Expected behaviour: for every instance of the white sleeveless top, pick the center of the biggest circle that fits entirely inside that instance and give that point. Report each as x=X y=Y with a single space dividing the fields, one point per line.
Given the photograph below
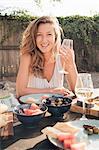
x=56 y=80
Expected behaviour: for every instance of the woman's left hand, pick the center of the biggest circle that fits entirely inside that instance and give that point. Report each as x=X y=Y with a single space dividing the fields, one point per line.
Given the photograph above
x=67 y=56
x=61 y=90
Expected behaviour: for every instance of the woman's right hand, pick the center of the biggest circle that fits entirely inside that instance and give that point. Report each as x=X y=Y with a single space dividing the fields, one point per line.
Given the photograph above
x=68 y=57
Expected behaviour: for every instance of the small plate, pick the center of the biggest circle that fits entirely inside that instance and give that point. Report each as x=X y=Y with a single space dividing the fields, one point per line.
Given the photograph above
x=37 y=97
x=79 y=123
x=56 y=142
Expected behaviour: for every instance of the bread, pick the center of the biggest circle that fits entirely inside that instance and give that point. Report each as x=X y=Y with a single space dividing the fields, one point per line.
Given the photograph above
x=66 y=127
x=3 y=108
x=3 y=117
x=60 y=127
x=3 y=120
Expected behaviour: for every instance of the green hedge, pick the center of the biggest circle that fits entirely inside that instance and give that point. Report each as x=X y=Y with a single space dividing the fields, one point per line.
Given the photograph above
x=83 y=30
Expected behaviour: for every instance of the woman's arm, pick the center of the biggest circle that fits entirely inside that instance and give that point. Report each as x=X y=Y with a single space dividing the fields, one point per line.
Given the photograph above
x=72 y=76
x=23 y=77
x=23 y=74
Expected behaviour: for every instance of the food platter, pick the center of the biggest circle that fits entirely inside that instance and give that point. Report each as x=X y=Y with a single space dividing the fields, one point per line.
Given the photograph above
x=37 y=97
x=92 y=146
x=92 y=111
x=79 y=123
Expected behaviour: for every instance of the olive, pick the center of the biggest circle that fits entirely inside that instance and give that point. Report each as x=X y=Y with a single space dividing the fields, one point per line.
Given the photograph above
x=48 y=101
x=95 y=130
x=89 y=131
x=57 y=100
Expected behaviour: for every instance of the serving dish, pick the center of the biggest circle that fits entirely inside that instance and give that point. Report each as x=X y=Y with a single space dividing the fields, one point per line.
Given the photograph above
x=58 y=105
x=79 y=123
x=30 y=115
x=37 y=97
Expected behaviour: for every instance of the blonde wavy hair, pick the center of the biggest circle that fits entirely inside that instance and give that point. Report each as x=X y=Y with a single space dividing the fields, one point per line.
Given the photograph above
x=28 y=44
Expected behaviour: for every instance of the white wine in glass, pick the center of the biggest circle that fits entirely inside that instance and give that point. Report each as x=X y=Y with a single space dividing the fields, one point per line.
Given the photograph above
x=84 y=88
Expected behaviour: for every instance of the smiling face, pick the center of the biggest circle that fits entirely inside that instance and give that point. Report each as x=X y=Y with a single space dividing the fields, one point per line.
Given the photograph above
x=45 y=38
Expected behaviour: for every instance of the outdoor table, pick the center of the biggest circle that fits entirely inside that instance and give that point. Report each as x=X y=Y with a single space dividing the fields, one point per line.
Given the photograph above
x=32 y=138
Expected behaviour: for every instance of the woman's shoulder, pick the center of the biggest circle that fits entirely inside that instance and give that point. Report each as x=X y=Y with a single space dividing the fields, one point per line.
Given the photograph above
x=25 y=57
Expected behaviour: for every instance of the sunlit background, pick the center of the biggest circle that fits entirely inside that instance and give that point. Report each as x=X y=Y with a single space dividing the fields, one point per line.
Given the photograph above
x=52 y=7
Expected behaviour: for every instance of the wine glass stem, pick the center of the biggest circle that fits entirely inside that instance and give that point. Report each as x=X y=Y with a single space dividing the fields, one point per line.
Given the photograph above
x=84 y=116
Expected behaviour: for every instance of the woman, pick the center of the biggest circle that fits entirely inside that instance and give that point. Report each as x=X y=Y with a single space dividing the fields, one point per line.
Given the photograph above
x=39 y=64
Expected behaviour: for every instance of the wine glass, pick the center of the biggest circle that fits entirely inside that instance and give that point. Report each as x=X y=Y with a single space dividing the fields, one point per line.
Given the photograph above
x=84 y=89
x=67 y=44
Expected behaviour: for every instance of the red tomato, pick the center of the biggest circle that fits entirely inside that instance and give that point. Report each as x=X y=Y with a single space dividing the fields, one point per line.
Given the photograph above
x=34 y=106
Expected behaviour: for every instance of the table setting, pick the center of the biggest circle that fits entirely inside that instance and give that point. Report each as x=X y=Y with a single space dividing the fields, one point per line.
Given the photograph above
x=49 y=119
x=85 y=140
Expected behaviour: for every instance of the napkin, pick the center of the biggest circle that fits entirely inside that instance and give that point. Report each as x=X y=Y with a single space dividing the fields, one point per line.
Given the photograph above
x=51 y=131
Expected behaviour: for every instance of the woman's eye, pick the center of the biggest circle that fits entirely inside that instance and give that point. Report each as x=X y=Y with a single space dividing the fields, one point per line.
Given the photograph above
x=38 y=34
x=49 y=34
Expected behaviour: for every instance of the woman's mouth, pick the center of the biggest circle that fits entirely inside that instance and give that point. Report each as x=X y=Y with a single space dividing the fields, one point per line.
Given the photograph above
x=44 y=45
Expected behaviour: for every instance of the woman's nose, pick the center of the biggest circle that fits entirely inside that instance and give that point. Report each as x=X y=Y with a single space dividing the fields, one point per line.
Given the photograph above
x=44 y=39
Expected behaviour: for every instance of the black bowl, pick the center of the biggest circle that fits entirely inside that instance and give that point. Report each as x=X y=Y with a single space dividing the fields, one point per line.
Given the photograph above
x=58 y=110
x=29 y=120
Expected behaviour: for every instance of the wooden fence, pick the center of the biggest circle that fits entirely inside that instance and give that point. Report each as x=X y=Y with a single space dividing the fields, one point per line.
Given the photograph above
x=87 y=59
x=9 y=61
